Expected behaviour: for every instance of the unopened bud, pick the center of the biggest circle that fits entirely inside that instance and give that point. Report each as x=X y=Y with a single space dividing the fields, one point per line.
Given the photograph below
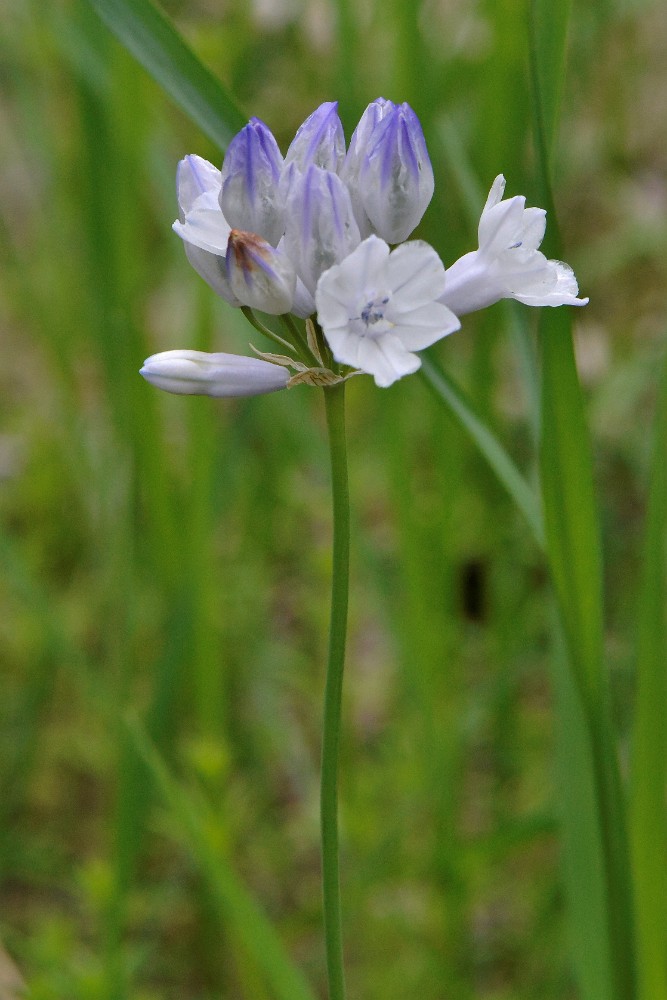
x=195 y=373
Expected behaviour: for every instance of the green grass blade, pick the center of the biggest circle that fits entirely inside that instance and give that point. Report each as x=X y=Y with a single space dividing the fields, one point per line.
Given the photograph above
x=649 y=765
x=549 y=23
x=153 y=40
x=575 y=556
x=232 y=900
x=502 y=465
x=571 y=519
x=583 y=856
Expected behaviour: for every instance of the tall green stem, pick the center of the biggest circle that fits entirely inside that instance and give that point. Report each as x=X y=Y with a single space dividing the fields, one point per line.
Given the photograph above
x=335 y=408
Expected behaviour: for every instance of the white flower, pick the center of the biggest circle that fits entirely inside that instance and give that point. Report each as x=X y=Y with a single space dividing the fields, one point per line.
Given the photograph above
x=508 y=264
x=195 y=373
x=377 y=307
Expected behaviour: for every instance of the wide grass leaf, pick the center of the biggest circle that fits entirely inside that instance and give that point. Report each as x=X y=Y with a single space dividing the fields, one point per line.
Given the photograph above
x=649 y=764
x=154 y=41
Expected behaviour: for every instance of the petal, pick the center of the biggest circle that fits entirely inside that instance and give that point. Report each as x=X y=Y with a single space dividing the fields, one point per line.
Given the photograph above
x=495 y=194
x=259 y=275
x=205 y=228
x=386 y=359
x=533 y=225
x=321 y=229
x=554 y=285
x=416 y=275
x=320 y=140
x=500 y=225
x=425 y=326
x=213 y=269
x=195 y=177
x=249 y=196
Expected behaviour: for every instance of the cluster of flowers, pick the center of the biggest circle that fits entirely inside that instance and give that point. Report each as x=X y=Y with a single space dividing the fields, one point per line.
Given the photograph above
x=310 y=234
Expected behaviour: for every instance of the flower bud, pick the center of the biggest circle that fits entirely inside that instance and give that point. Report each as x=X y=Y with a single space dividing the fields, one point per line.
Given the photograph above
x=320 y=140
x=195 y=373
x=396 y=178
x=249 y=196
x=260 y=276
x=321 y=229
x=357 y=150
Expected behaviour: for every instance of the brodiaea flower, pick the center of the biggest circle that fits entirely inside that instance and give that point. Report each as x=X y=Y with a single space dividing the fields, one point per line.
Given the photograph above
x=377 y=307
x=508 y=264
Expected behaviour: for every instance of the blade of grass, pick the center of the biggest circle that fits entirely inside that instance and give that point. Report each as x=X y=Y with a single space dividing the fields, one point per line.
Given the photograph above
x=492 y=450
x=155 y=43
x=550 y=22
x=575 y=557
x=231 y=898
x=649 y=763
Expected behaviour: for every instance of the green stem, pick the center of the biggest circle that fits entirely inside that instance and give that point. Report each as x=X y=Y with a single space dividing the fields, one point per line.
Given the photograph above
x=334 y=398
x=258 y=325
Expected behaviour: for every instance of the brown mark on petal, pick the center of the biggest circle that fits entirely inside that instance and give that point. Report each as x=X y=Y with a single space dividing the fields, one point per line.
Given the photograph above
x=247 y=247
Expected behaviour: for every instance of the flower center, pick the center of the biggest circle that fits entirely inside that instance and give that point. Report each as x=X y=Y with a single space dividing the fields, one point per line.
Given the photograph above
x=371 y=321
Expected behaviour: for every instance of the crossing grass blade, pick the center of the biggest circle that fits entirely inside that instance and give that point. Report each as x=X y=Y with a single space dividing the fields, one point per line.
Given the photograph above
x=232 y=901
x=153 y=40
x=500 y=462
x=648 y=815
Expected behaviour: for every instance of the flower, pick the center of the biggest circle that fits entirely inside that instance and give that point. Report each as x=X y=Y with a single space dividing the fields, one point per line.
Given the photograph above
x=195 y=373
x=508 y=264
x=376 y=307
x=395 y=179
x=251 y=171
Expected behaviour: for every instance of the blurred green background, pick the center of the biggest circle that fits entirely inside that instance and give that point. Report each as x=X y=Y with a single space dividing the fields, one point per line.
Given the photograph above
x=168 y=559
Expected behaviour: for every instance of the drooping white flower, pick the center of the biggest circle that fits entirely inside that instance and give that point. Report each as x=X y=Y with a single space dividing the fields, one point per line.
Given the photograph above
x=508 y=264
x=196 y=373
x=377 y=307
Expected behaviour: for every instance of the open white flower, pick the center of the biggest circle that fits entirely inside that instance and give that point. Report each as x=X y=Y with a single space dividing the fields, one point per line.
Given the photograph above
x=377 y=307
x=508 y=264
